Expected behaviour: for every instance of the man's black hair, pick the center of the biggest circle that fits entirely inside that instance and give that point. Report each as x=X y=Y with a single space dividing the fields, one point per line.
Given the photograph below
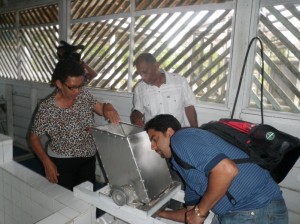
x=66 y=68
x=147 y=57
x=162 y=122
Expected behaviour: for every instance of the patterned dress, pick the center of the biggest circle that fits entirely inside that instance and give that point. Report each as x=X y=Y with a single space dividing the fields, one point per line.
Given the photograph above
x=67 y=128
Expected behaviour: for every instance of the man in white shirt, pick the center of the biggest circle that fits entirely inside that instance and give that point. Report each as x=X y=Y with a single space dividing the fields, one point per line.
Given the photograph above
x=160 y=92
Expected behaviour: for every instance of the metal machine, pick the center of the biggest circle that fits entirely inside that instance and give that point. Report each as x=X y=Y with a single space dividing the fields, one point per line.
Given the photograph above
x=137 y=175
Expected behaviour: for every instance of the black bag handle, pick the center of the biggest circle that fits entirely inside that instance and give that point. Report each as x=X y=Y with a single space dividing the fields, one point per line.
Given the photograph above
x=262 y=78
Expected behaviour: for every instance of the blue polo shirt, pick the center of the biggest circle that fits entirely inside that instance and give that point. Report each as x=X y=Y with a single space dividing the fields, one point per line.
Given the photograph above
x=252 y=188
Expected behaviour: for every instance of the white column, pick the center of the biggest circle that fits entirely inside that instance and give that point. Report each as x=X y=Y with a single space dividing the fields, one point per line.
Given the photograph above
x=64 y=18
x=244 y=30
x=6 y=149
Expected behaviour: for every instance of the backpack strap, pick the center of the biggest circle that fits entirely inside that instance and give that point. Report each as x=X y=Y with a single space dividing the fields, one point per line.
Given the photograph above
x=244 y=160
x=187 y=166
x=182 y=163
x=230 y=198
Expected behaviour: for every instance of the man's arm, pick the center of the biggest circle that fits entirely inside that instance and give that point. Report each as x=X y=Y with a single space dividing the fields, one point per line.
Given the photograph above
x=91 y=73
x=178 y=215
x=137 y=118
x=219 y=181
x=191 y=116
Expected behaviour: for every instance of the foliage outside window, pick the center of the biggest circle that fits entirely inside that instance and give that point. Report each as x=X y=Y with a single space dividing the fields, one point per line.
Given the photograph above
x=279 y=30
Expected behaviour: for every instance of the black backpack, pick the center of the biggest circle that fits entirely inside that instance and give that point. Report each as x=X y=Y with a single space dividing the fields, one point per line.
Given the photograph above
x=266 y=146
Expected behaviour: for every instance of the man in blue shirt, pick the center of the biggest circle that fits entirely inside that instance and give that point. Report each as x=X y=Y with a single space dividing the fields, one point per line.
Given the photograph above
x=236 y=193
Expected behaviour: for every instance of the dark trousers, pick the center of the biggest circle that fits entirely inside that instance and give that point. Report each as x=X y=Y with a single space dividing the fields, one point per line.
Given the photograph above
x=74 y=171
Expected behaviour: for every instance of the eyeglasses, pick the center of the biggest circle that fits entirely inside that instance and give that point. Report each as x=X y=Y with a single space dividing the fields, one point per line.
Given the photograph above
x=74 y=87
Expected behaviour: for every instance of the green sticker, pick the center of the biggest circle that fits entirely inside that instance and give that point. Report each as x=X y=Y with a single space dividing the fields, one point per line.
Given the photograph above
x=270 y=136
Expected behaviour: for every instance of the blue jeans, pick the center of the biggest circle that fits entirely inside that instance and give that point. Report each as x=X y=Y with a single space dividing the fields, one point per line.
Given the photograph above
x=274 y=213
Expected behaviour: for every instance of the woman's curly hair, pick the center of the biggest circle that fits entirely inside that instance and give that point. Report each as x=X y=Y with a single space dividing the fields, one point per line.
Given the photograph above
x=66 y=68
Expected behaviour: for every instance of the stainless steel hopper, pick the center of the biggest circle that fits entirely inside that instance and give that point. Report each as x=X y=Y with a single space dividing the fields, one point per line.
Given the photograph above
x=136 y=174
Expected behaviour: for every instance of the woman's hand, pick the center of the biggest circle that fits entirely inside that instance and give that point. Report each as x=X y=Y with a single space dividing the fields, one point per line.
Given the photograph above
x=110 y=113
x=50 y=168
x=50 y=171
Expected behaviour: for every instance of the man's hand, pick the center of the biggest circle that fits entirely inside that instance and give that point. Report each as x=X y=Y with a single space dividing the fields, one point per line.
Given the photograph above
x=191 y=217
x=176 y=215
x=137 y=118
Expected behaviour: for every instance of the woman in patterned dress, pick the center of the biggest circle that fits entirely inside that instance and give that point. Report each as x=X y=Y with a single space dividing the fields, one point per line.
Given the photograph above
x=66 y=117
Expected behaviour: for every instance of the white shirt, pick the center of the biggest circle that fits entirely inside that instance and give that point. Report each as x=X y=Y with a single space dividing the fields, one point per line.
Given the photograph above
x=170 y=98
